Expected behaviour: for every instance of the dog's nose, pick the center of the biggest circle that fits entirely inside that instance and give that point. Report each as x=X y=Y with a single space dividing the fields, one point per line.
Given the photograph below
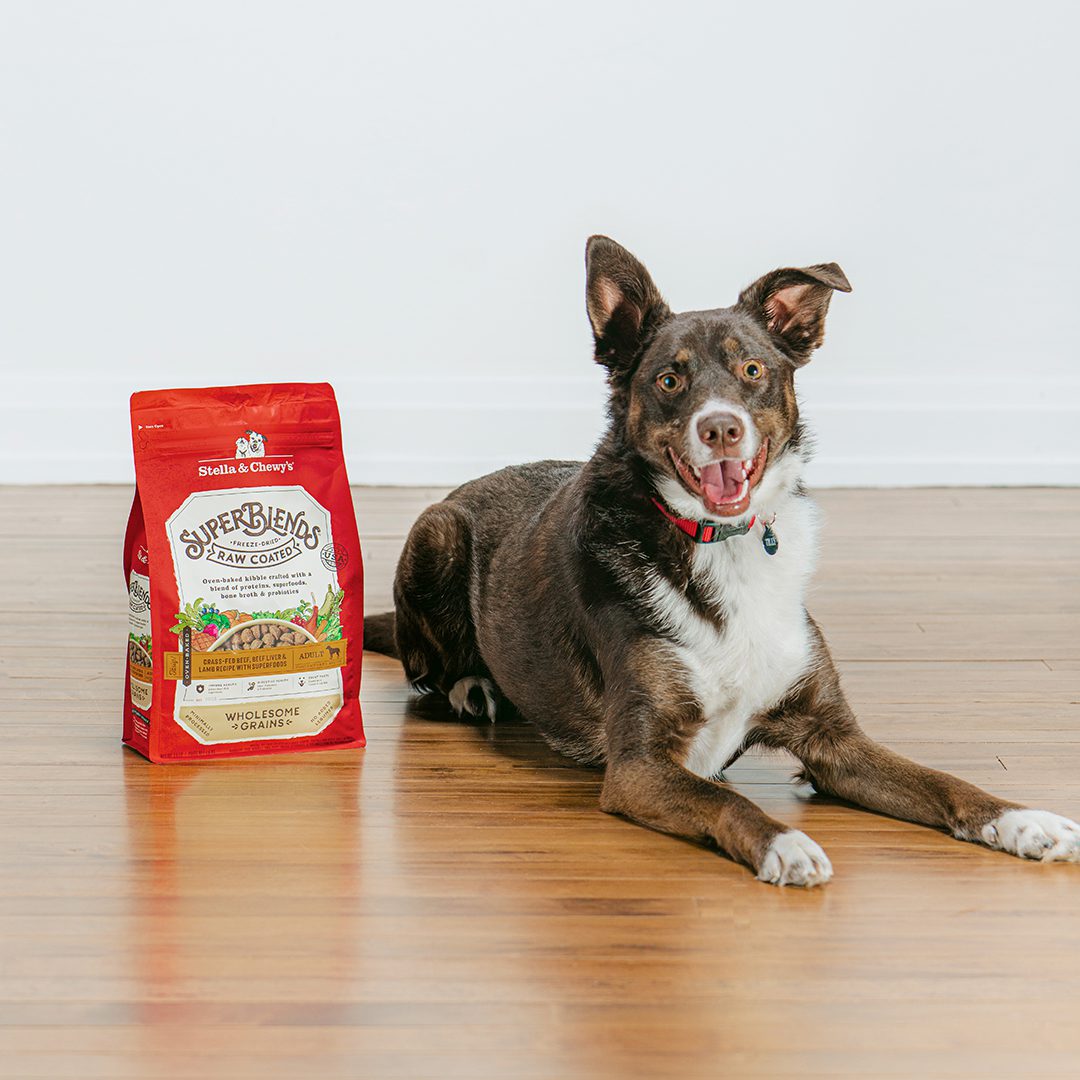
x=720 y=430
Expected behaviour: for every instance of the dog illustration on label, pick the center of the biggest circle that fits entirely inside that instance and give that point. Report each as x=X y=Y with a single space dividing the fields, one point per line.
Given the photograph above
x=251 y=444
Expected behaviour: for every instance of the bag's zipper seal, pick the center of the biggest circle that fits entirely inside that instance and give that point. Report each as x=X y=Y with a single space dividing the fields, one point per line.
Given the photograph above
x=164 y=441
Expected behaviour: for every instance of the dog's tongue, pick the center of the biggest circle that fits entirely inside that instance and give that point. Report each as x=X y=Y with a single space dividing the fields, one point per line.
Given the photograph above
x=722 y=481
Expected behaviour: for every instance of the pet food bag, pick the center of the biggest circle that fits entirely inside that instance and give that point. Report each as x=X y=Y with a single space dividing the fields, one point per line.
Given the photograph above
x=245 y=585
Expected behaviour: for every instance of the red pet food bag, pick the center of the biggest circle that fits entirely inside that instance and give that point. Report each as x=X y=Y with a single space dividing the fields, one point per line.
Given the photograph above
x=245 y=583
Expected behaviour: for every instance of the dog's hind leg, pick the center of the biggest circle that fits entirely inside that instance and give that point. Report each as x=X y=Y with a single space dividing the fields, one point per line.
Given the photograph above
x=475 y=695
x=433 y=626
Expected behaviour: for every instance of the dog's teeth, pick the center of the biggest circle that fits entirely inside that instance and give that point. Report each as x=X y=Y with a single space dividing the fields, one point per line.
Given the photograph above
x=744 y=490
x=747 y=465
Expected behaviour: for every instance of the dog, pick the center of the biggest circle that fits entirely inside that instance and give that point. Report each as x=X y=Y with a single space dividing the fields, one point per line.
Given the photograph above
x=331 y=651
x=645 y=609
x=256 y=444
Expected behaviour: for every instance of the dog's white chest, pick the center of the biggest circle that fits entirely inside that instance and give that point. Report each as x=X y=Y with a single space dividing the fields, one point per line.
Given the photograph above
x=763 y=647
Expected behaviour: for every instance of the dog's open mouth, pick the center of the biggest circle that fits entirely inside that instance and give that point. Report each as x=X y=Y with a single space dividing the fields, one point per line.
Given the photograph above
x=723 y=486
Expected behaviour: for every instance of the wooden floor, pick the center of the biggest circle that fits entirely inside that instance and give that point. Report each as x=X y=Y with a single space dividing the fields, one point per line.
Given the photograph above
x=450 y=902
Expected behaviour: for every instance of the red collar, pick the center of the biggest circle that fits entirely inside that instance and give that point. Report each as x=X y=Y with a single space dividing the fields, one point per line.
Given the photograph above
x=704 y=532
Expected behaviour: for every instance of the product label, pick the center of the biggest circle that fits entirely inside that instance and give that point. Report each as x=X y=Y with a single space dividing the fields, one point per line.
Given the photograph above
x=260 y=605
x=140 y=645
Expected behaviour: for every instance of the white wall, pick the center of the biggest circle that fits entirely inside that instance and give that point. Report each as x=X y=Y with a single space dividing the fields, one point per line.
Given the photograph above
x=396 y=198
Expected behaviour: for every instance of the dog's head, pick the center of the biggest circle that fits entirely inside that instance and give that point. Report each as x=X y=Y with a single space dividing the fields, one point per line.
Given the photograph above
x=706 y=398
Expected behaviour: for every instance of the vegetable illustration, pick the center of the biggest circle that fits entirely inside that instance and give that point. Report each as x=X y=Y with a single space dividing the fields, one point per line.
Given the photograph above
x=190 y=618
x=328 y=624
x=207 y=623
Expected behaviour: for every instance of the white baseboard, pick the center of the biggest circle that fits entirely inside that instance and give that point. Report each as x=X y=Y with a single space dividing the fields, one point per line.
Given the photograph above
x=403 y=431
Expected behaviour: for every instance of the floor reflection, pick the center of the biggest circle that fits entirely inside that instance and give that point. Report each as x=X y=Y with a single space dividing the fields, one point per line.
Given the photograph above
x=244 y=876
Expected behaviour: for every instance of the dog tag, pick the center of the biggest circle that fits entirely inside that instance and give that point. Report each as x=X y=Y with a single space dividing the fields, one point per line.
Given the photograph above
x=769 y=541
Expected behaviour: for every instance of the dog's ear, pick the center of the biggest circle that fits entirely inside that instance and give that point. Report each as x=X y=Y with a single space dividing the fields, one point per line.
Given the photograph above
x=792 y=304
x=623 y=303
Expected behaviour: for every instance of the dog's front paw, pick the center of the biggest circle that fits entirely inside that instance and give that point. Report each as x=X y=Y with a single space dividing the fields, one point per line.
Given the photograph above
x=794 y=859
x=1034 y=834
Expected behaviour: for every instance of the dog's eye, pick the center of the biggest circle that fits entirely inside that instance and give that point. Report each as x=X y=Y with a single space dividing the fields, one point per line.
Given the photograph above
x=753 y=370
x=669 y=382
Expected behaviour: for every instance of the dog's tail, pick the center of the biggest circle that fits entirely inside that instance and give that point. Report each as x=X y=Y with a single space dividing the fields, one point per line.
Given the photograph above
x=379 y=634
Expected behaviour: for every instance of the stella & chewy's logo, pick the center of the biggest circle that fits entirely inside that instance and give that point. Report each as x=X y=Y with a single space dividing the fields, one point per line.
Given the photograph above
x=251 y=534
x=250 y=456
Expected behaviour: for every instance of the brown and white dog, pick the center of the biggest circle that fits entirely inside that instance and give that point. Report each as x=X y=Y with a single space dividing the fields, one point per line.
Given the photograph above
x=645 y=609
